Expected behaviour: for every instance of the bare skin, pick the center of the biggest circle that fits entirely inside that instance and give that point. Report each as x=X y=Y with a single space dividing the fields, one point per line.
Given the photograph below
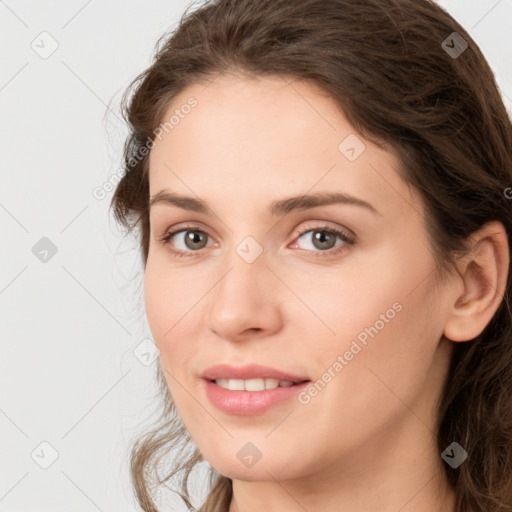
x=366 y=441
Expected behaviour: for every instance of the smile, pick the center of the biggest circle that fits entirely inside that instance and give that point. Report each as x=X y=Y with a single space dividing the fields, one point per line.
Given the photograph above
x=252 y=384
x=250 y=397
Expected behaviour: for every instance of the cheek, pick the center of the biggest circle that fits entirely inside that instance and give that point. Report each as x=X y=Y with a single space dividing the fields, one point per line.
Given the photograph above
x=381 y=317
x=158 y=304
x=379 y=380
x=172 y=303
x=172 y=320
x=388 y=372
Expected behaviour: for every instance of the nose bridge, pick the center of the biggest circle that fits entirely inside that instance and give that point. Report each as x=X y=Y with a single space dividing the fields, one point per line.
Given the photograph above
x=241 y=299
x=245 y=272
x=244 y=260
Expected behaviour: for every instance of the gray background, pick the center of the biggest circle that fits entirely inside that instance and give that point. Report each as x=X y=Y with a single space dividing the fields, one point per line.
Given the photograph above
x=75 y=371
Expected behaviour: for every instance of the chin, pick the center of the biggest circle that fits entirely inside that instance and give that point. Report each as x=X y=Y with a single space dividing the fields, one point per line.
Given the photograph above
x=265 y=469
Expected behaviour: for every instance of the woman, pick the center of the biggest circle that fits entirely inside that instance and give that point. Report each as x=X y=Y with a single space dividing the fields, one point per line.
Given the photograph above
x=323 y=193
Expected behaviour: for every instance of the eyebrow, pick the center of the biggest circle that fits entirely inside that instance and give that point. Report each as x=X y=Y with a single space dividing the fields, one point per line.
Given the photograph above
x=279 y=207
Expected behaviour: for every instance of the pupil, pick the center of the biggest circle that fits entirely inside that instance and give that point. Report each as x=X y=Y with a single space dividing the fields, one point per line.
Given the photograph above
x=193 y=237
x=321 y=237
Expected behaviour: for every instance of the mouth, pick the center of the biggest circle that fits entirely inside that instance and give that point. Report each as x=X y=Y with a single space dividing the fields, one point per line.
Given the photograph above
x=255 y=384
x=251 y=389
x=251 y=397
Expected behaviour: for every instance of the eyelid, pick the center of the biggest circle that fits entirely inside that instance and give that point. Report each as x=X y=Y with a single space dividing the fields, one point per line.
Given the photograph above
x=323 y=225
x=172 y=232
x=348 y=237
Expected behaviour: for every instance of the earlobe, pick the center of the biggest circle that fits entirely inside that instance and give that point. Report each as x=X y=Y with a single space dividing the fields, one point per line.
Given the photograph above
x=484 y=272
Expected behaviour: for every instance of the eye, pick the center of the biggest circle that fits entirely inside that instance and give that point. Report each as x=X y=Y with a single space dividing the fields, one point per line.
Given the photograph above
x=322 y=239
x=193 y=239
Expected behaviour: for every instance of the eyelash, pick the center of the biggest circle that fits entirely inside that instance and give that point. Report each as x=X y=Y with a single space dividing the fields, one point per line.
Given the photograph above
x=347 y=239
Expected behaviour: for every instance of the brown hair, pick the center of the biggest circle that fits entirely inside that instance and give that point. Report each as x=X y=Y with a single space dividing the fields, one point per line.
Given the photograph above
x=384 y=62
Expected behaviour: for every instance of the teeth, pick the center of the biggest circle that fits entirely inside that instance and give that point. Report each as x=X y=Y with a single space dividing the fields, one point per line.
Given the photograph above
x=252 y=384
x=236 y=385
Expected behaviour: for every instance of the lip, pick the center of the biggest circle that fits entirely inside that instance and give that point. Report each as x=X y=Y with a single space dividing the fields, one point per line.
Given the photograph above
x=251 y=371
x=249 y=403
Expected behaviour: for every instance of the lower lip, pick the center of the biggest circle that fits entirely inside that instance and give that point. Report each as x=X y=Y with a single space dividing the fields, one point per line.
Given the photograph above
x=249 y=403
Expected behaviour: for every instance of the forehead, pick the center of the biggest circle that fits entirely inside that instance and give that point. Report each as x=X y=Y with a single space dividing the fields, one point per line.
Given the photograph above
x=265 y=138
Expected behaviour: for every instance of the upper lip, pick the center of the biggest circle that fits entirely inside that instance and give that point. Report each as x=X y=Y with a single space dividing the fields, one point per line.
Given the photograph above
x=251 y=371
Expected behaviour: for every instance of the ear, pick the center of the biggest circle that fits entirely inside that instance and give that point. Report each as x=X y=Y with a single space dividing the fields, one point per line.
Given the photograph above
x=484 y=272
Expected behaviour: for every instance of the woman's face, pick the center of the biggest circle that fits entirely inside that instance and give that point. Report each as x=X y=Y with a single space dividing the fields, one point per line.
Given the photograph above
x=359 y=314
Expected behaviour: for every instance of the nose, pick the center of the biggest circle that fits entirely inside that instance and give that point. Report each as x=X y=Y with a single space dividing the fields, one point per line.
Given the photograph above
x=245 y=303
